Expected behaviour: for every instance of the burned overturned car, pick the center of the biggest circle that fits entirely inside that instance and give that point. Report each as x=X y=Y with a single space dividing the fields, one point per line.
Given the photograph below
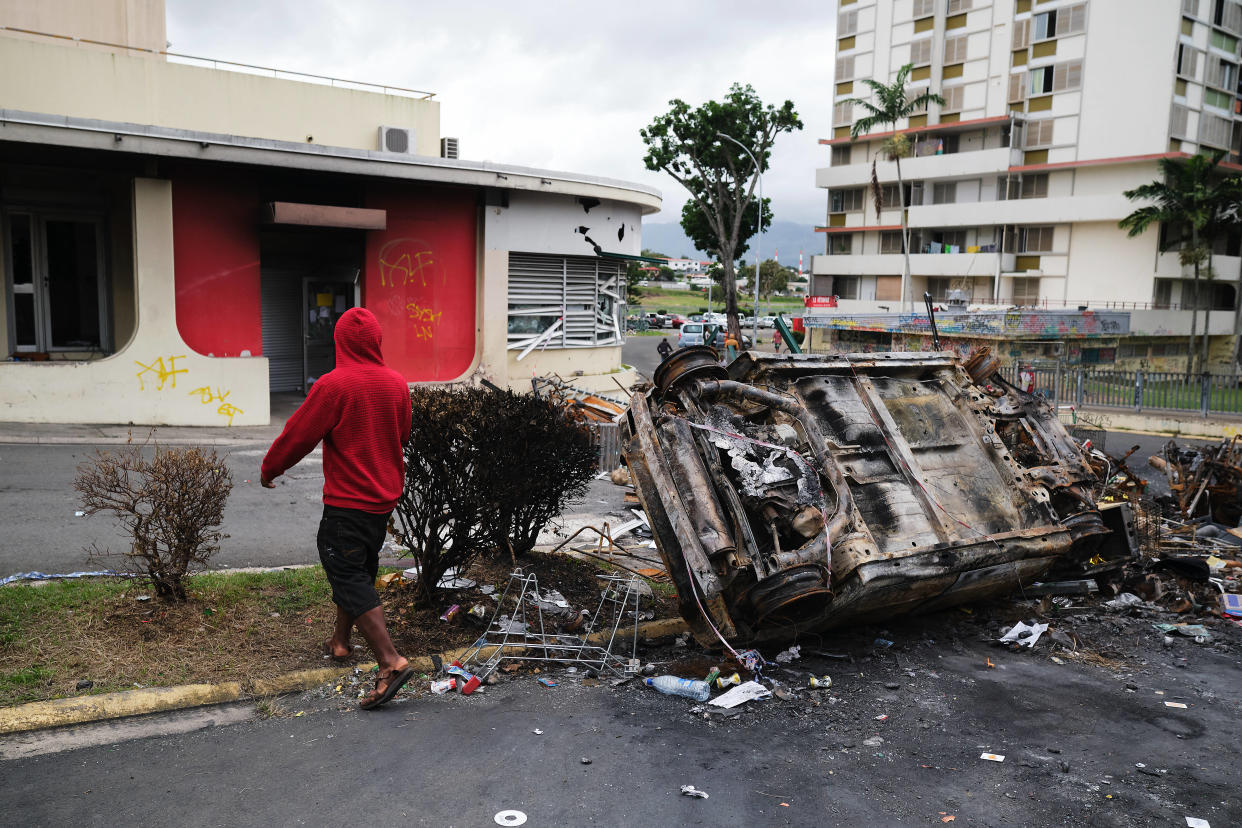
x=792 y=493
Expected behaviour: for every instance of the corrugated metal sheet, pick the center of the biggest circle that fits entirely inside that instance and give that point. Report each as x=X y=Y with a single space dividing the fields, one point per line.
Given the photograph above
x=281 y=297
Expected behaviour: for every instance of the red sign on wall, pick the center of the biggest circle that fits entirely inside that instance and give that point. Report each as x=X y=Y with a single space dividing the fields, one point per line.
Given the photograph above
x=421 y=280
x=820 y=302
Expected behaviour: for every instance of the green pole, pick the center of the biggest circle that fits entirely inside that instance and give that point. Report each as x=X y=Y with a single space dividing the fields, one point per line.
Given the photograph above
x=786 y=334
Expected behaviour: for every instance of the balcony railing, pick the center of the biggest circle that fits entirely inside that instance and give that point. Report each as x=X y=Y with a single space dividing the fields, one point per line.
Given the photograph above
x=1020 y=323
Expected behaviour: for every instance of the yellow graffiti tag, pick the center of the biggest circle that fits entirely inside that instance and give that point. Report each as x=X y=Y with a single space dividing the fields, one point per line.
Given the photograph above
x=426 y=320
x=162 y=372
x=207 y=395
x=228 y=410
x=405 y=267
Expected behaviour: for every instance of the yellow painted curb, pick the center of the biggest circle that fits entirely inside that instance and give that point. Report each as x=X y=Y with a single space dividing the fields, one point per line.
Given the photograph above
x=81 y=709
x=58 y=712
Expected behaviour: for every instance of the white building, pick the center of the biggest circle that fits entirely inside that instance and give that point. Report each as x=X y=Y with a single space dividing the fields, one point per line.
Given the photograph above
x=1052 y=109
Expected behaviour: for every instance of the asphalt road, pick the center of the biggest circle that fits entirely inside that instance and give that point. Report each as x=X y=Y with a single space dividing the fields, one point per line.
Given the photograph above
x=1082 y=745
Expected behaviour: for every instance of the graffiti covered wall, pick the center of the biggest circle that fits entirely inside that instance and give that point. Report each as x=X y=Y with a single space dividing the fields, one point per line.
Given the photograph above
x=421 y=280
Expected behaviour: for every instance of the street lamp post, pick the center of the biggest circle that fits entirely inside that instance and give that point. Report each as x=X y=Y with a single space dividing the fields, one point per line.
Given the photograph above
x=754 y=332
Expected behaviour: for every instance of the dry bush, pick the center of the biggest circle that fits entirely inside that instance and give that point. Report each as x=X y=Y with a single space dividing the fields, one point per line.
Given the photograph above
x=543 y=460
x=170 y=505
x=442 y=514
x=485 y=471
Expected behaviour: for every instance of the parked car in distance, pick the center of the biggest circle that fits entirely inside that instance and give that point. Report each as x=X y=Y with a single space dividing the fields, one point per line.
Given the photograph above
x=653 y=320
x=677 y=320
x=691 y=334
x=767 y=321
x=696 y=317
x=715 y=318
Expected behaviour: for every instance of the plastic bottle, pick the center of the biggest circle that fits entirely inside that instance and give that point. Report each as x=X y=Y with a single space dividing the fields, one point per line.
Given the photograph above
x=674 y=686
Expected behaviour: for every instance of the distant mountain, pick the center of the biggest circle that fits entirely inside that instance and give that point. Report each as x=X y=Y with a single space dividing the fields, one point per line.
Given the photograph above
x=785 y=237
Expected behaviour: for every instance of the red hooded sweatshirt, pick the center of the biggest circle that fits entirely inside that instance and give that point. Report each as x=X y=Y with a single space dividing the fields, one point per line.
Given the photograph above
x=361 y=412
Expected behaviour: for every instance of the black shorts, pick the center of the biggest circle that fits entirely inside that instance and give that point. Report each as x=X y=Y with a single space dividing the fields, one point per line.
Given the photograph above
x=349 y=542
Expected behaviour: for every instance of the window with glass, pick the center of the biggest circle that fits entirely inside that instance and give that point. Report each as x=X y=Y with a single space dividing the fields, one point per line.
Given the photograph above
x=845 y=287
x=1223 y=41
x=56 y=282
x=944 y=192
x=890 y=241
x=1035 y=239
x=839 y=244
x=841 y=155
x=1025 y=292
x=845 y=201
x=1035 y=185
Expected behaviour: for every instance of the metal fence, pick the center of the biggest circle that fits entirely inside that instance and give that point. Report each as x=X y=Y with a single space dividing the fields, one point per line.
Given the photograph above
x=1135 y=390
x=608 y=439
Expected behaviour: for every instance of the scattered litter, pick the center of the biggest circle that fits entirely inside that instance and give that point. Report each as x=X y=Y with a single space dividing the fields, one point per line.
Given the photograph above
x=547 y=682
x=821 y=681
x=1231 y=604
x=726 y=681
x=509 y=818
x=586 y=760
x=883 y=717
x=782 y=693
x=790 y=655
x=1195 y=822
x=1178 y=705
x=947 y=817
x=745 y=692
x=1079 y=587
x=537 y=732
x=388 y=579
x=1024 y=635
x=1124 y=601
x=487 y=589
x=874 y=741
x=1196 y=631
x=690 y=790
x=883 y=642
x=43 y=576
x=442 y=686
x=451 y=612
x=79 y=514
x=992 y=757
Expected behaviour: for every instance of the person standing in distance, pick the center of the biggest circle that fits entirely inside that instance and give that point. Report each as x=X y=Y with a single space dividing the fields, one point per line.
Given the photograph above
x=361 y=412
x=664 y=348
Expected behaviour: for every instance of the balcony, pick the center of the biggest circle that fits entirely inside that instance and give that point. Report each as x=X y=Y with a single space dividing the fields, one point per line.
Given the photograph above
x=921 y=264
x=955 y=165
x=1022 y=211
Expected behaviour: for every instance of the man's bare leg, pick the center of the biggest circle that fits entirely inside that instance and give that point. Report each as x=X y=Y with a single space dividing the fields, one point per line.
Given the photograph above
x=338 y=645
x=375 y=631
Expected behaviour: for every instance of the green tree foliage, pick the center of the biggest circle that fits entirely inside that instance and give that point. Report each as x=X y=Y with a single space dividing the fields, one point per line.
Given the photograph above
x=633 y=275
x=720 y=177
x=772 y=277
x=666 y=274
x=892 y=103
x=1198 y=205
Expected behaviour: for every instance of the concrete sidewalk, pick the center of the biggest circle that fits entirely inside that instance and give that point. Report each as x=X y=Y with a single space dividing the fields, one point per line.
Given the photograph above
x=283 y=406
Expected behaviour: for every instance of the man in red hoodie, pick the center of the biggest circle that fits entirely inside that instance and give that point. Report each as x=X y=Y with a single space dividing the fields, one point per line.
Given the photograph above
x=361 y=412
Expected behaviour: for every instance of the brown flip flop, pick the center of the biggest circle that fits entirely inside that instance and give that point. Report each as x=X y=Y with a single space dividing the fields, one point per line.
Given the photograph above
x=326 y=649
x=396 y=680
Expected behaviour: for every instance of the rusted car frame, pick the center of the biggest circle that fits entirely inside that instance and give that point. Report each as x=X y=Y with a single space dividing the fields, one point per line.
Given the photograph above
x=792 y=493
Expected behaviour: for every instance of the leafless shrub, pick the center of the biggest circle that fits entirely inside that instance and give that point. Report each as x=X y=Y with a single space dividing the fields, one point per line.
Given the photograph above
x=169 y=504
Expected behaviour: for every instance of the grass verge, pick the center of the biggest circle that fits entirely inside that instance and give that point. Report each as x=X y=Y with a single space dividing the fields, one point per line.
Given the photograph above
x=234 y=627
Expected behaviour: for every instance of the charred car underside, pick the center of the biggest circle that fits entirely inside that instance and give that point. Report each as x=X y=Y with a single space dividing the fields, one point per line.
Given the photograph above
x=792 y=493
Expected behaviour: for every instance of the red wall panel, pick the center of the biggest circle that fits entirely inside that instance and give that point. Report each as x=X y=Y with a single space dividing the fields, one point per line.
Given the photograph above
x=420 y=279
x=216 y=264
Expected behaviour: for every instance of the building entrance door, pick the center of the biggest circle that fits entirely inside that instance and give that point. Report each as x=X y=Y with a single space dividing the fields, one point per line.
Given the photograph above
x=324 y=300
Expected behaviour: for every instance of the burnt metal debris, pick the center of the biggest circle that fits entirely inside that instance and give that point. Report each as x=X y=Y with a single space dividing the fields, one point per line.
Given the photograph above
x=1204 y=481
x=793 y=493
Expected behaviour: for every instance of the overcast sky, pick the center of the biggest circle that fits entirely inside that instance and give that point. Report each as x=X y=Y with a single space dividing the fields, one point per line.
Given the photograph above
x=554 y=84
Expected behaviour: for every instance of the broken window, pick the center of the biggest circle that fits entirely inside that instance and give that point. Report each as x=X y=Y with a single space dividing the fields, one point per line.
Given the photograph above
x=564 y=301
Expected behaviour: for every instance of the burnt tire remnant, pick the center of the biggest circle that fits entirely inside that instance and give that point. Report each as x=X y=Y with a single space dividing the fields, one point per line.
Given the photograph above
x=792 y=493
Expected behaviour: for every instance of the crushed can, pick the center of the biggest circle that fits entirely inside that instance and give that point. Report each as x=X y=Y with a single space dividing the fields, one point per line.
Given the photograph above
x=451 y=612
x=821 y=681
x=724 y=681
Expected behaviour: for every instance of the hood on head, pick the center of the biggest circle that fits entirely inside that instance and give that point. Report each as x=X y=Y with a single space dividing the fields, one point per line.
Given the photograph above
x=358 y=337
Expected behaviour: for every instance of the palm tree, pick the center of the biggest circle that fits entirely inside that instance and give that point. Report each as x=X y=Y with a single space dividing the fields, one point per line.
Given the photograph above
x=1193 y=197
x=892 y=105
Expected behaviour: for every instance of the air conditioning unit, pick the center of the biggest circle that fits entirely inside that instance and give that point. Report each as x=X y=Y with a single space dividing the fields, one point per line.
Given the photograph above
x=396 y=139
x=448 y=148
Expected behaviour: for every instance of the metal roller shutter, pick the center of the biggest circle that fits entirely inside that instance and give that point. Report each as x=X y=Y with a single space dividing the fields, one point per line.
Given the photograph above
x=281 y=296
